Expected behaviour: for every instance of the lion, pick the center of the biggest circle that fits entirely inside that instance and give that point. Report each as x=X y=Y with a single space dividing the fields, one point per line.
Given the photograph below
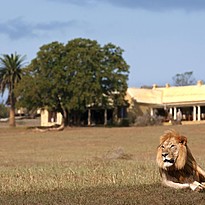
x=177 y=166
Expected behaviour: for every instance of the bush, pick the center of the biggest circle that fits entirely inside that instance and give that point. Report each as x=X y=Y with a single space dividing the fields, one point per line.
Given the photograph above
x=148 y=120
x=4 y=113
x=124 y=122
x=132 y=117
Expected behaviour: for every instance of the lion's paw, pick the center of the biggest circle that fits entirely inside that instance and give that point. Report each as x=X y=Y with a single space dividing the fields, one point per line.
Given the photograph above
x=196 y=186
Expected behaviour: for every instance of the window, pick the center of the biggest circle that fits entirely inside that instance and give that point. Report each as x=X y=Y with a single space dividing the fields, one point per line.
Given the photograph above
x=52 y=116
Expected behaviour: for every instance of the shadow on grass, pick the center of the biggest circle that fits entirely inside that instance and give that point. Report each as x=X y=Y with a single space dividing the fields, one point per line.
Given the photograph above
x=154 y=194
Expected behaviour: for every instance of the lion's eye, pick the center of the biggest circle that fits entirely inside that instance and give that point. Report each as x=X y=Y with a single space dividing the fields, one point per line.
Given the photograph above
x=162 y=146
x=172 y=146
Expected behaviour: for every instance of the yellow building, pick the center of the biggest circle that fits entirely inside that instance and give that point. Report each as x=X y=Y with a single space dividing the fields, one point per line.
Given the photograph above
x=49 y=118
x=169 y=100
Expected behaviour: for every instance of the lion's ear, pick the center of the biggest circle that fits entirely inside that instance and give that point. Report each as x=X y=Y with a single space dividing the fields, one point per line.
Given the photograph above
x=183 y=140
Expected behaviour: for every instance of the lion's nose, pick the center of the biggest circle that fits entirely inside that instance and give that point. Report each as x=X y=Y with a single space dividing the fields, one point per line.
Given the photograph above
x=164 y=154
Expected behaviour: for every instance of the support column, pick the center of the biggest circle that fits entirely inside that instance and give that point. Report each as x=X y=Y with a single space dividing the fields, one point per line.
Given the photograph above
x=199 y=113
x=170 y=115
x=170 y=111
x=194 y=113
x=89 y=117
x=175 y=113
x=105 y=117
x=151 y=111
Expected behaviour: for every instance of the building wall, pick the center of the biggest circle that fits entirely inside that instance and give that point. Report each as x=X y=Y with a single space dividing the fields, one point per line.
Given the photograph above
x=45 y=119
x=136 y=109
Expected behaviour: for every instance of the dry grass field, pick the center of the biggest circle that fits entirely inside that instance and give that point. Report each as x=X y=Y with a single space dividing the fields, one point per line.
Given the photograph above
x=90 y=166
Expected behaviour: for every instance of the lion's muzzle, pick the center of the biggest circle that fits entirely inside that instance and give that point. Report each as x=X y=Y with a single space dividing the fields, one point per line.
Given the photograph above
x=168 y=162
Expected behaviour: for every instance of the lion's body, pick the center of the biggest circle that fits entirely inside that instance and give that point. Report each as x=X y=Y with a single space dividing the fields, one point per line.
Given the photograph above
x=177 y=165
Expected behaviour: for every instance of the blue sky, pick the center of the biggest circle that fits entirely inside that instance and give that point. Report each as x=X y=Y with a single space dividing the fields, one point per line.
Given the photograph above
x=160 y=37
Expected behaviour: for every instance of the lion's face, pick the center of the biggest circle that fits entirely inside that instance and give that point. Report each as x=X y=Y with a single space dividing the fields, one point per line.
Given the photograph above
x=171 y=151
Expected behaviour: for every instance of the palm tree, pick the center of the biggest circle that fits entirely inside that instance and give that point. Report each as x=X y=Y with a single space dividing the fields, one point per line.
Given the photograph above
x=10 y=75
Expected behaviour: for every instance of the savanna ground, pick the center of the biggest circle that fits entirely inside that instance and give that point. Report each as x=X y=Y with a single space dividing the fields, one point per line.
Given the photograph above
x=90 y=166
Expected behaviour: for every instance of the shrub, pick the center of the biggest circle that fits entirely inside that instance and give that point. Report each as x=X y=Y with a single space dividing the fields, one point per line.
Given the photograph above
x=4 y=113
x=124 y=122
x=148 y=120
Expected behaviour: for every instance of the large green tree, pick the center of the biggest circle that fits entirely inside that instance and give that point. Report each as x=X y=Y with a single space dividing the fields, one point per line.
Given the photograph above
x=45 y=82
x=10 y=75
x=72 y=77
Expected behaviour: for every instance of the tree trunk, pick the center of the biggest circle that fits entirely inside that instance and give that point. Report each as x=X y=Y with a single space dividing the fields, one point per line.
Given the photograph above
x=12 y=121
x=64 y=119
x=114 y=116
